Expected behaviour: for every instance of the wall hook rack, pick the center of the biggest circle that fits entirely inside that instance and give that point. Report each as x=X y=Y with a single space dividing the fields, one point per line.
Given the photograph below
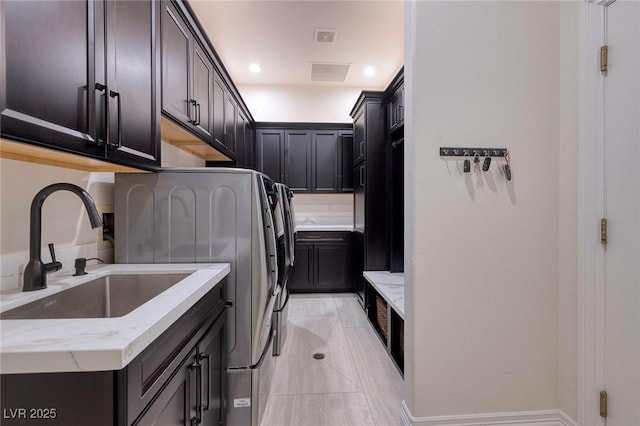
x=472 y=152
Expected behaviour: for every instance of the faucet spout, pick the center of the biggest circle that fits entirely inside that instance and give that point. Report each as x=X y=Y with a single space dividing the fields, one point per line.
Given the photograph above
x=35 y=273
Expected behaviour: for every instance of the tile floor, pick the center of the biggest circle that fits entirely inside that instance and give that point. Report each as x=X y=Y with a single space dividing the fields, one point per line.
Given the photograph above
x=356 y=384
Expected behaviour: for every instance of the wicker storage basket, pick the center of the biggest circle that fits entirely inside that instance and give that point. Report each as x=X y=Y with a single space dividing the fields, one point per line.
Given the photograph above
x=381 y=315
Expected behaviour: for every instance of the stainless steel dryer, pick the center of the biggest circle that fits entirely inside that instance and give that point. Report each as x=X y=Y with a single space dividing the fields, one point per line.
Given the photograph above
x=212 y=215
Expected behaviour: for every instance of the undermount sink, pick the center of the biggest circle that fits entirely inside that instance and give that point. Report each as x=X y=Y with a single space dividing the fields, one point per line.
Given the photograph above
x=110 y=296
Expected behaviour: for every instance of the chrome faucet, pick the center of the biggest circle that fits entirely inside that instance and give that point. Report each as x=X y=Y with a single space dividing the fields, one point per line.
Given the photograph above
x=35 y=273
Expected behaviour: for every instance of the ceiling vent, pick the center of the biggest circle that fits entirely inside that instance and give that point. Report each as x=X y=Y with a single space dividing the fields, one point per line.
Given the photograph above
x=326 y=35
x=329 y=72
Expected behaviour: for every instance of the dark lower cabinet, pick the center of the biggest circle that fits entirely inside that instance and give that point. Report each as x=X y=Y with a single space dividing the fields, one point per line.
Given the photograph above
x=178 y=380
x=322 y=263
x=359 y=285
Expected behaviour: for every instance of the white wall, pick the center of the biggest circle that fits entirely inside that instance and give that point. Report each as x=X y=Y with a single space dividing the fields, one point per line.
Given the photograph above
x=323 y=104
x=568 y=216
x=64 y=219
x=482 y=253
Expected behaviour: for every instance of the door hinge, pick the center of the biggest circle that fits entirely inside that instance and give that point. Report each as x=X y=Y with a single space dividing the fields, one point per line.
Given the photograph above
x=603 y=404
x=604 y=58
x=603 y=231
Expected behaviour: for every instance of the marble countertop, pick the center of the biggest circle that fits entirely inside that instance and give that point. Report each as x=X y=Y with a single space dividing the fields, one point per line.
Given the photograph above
x=98 y=344
x=324 y=222
x=390 y=286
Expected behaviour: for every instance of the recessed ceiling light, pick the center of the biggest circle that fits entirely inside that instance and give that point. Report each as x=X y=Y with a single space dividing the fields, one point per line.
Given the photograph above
x=255 y=68
x=369 y=71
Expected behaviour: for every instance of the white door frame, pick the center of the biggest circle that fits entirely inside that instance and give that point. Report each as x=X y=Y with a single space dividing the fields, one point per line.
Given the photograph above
x=591 y=258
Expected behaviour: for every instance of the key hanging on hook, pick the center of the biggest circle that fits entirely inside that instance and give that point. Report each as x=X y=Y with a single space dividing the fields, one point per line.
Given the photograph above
x=507 y=167
x=486 y=164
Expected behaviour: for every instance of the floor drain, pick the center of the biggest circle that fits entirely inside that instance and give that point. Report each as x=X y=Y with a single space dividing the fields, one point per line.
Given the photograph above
x=318 y=356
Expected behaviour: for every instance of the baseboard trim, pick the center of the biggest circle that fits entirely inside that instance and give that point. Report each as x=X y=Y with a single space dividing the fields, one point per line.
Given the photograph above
x=522 y=418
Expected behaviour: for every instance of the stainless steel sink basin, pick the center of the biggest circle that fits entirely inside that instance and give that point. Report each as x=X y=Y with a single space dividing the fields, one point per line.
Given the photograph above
x=110 y=296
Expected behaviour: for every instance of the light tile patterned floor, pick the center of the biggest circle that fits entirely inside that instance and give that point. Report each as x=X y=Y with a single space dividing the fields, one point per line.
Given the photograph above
x=356 y=384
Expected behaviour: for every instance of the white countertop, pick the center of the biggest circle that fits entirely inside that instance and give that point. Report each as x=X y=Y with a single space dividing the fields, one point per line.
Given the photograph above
x=390 y=286
x=98 y=344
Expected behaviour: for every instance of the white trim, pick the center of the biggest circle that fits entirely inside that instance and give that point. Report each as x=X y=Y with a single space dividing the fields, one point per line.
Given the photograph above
x=591 y=210
x=521 y=418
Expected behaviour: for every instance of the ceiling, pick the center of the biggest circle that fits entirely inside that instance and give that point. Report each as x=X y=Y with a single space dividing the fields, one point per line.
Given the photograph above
x=280 y=37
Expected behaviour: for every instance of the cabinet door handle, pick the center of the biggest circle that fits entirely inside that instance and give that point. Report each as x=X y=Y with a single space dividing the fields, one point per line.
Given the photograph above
x=119 y=122
x=198 y=418
x=400 y=113
x=362 y=148
x=207 y=357
x=103 y=88
x=362 y=177
x=190 y=103
x=197 y=123
x=310 y=264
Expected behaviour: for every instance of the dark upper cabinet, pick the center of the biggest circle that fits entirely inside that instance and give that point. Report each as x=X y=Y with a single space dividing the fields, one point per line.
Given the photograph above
x=241 y=139
x=359 y=137
x=345 y=161
x=187 y=76
x=247 y=144
x=133 y=81
x=230 y=117
x=77 y=72
x=312 y=158
x=219 y=91
x=270 y=153
x=325 y=161
x=297 y=164
x=323 y=262
x=202 y=93
x=396 y=108
x=176 y=65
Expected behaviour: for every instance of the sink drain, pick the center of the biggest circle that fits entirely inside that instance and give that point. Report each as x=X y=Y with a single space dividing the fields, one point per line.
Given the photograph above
x=318 y=356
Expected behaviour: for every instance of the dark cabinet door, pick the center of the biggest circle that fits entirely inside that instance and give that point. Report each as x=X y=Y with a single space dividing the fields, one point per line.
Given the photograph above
x=249 y=146
x=359 y=182
x=357 y=265
x=202 y=97
x=211 y=355
x=177 y=403
x=345 y=161
x=219 y=91
x=359 y=134
x=297 y=166
x=48 y=86
x=176 y=54
x=302 y=272
x=270 y=147
x=230 y=116
x=133 y=81
x=325 y=161
x=332 y=267
x=241 y=139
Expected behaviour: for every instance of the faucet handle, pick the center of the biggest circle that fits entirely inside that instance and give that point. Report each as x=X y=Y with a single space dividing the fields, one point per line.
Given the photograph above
x=54 y=265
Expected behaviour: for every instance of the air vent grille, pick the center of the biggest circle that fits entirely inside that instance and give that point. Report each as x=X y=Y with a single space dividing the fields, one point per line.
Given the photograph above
x=326 y=35
x=329 y=72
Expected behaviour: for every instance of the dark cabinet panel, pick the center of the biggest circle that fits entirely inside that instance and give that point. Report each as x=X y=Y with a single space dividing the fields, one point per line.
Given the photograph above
x=83 y=77
x=133 y=80
x=357 y=266
x=241 y=139
x=176 y=405
x=297 y=165
x=323 y=262
x=270 y=153
x=46 y=99
x=332 y=267
x=325 y=161
x=218 y=109
x=230 y=116
x=202 y=101
x=345 y=161
x=359 y=176
x=212 y=358
x=396 y=108
x=301 y=274
x=359 y=138
x=176 y=62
